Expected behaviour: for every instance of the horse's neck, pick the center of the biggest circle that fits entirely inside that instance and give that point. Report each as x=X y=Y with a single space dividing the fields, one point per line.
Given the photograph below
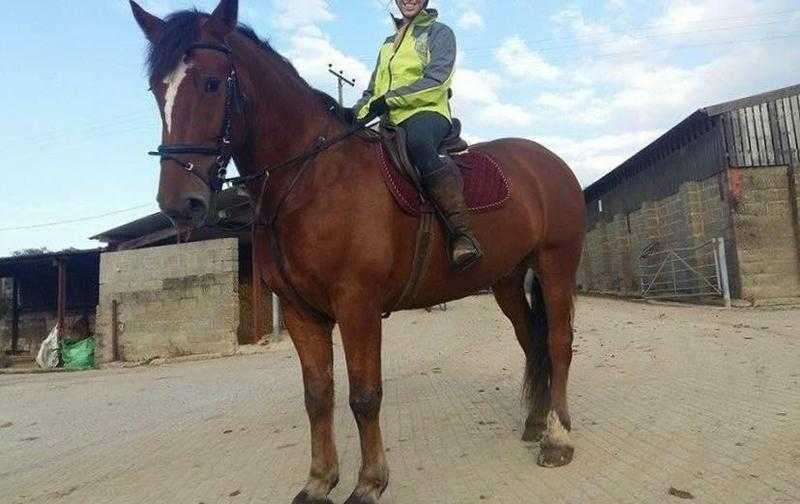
x=284 y=116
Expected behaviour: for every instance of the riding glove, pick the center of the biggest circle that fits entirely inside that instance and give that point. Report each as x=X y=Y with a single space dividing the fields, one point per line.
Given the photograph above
x=377 y=108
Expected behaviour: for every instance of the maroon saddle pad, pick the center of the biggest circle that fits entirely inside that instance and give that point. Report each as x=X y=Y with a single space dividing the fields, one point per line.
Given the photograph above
x=486 y=187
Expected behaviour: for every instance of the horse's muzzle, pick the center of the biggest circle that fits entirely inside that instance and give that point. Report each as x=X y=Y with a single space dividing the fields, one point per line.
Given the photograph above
x=185 y=209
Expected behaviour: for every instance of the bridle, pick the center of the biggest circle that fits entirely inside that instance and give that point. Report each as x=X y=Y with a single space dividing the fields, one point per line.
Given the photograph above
x=222 y=151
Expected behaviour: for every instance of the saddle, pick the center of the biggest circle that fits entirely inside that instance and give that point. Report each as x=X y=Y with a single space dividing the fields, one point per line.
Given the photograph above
x=486 y=187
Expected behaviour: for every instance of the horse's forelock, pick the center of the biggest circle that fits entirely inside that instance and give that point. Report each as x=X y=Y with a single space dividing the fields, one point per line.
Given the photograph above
x=181 y=30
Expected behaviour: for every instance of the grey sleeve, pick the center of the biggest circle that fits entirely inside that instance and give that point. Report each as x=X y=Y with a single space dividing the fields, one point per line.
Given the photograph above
x=369 y=92
x=442 y=47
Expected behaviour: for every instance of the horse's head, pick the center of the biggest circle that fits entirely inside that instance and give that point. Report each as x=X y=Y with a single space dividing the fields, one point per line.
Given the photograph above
x=193 y=79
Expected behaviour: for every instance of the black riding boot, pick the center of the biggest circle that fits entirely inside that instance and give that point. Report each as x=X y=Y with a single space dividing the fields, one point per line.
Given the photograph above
x=446 y=187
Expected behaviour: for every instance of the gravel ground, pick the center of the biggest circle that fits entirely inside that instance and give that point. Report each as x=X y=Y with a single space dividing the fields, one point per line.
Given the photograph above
x=668 y=402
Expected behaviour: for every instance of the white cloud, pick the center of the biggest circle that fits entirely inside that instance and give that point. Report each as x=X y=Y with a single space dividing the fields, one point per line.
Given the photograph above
x=593 y=35
x=524 y=63
x=638 y=95
x=683 y=14
x=477 y=99
x=591 y=157
x=311 y=49
x=299 y=13
x=470 y=19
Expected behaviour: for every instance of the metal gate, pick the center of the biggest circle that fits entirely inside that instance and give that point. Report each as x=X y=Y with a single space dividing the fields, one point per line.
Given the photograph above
x=695 y=272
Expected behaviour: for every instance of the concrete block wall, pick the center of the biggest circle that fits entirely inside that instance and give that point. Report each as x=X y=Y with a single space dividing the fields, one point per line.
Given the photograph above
x=173 y=300
x=619 y=250
x=797 y=186
x=765 y=241
x=644 y=231
x=694 y=215
x=595 y=263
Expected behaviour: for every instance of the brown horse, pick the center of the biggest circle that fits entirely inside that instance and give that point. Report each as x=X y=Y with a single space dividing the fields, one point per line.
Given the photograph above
x=334 y=244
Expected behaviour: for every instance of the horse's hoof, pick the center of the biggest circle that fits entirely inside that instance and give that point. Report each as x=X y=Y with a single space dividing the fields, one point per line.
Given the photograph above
x=303 y=498
x=534 y=432
x=555 y=455
x=360 y=500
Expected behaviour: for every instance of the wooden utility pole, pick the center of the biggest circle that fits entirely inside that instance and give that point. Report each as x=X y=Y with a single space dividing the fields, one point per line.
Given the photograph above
x=61 y=263
x=342 y=80
x=15 y=315
x=257 y=298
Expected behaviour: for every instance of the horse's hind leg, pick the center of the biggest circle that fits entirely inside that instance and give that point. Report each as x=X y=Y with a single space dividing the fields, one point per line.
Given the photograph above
x=530 y=327
x=556 y=269
x=312 y=339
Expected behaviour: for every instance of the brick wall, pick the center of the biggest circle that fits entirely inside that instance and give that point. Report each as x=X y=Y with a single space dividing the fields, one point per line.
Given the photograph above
x=766 y=244
x=174 y=300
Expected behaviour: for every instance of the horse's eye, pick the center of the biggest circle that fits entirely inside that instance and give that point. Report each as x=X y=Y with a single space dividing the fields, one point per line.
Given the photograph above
x=212 y=85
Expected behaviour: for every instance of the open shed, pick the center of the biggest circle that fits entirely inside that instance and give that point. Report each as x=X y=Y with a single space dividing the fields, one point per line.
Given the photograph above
x=43 y=290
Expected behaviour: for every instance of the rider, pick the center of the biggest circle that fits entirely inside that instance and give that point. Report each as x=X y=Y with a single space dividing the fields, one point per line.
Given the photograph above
x=410 y=87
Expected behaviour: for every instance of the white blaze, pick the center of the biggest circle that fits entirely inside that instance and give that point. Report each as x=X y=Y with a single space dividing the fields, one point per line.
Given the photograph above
x=173 y=82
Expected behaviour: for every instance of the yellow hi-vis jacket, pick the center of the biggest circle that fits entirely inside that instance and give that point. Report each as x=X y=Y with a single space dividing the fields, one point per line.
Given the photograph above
x=414 y=70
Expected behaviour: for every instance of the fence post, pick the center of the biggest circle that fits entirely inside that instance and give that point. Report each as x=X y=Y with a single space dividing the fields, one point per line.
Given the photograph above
x=723 y=268
x=277 y=323
x=715 y=249
x=114 y=330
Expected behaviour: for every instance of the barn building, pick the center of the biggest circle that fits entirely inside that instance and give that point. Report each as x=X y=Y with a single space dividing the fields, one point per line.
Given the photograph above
x=712 y=205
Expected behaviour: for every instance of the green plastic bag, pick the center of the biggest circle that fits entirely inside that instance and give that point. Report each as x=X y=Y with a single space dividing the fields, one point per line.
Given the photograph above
x=78 y=354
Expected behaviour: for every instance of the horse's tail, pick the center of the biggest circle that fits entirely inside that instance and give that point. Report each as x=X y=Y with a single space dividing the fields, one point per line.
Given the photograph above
x=537 y=366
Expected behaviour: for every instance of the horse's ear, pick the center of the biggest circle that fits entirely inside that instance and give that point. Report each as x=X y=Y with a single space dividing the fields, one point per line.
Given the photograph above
x=225 y=16
x=151 y=25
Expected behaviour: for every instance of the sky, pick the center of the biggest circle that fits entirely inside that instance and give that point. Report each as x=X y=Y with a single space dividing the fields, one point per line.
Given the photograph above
x=593 y=80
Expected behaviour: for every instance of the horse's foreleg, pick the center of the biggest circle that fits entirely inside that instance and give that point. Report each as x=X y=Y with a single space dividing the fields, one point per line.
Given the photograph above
x=312 y=339
x=361 y=338
x=556 y=269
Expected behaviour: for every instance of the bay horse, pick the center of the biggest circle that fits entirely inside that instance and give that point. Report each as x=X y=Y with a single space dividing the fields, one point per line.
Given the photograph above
x=333 y=243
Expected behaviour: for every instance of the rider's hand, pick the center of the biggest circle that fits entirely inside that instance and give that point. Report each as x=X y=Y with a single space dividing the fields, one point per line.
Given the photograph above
x=377 y=108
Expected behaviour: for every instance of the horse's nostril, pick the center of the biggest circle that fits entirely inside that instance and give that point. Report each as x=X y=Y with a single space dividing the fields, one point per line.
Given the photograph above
x=197 y=206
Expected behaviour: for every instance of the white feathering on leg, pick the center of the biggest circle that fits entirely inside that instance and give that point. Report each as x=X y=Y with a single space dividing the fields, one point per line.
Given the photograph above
x=556 y=434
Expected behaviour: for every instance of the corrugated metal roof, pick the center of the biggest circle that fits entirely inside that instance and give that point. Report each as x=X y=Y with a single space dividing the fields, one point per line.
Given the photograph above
x=9 y=264
x=228 y=199
x=751 y=100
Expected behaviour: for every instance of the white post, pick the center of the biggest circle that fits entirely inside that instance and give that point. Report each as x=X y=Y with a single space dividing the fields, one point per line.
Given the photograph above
x=276 y=318
x=715 y=249
x=723 y=269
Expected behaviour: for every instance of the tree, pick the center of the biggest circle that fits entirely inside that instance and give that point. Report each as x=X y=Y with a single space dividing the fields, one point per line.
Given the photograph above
x=31 y=252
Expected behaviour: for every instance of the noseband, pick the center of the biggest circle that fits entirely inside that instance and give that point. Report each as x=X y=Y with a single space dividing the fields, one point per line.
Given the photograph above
x=222 y=151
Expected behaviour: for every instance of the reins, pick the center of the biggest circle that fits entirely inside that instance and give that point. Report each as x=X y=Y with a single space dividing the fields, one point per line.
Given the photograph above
x=321 y=144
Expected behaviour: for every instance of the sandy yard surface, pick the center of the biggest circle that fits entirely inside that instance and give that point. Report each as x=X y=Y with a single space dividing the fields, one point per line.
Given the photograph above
x=703 y=400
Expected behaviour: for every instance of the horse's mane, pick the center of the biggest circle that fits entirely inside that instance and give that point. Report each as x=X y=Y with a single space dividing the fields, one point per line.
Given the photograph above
x=181 y=30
